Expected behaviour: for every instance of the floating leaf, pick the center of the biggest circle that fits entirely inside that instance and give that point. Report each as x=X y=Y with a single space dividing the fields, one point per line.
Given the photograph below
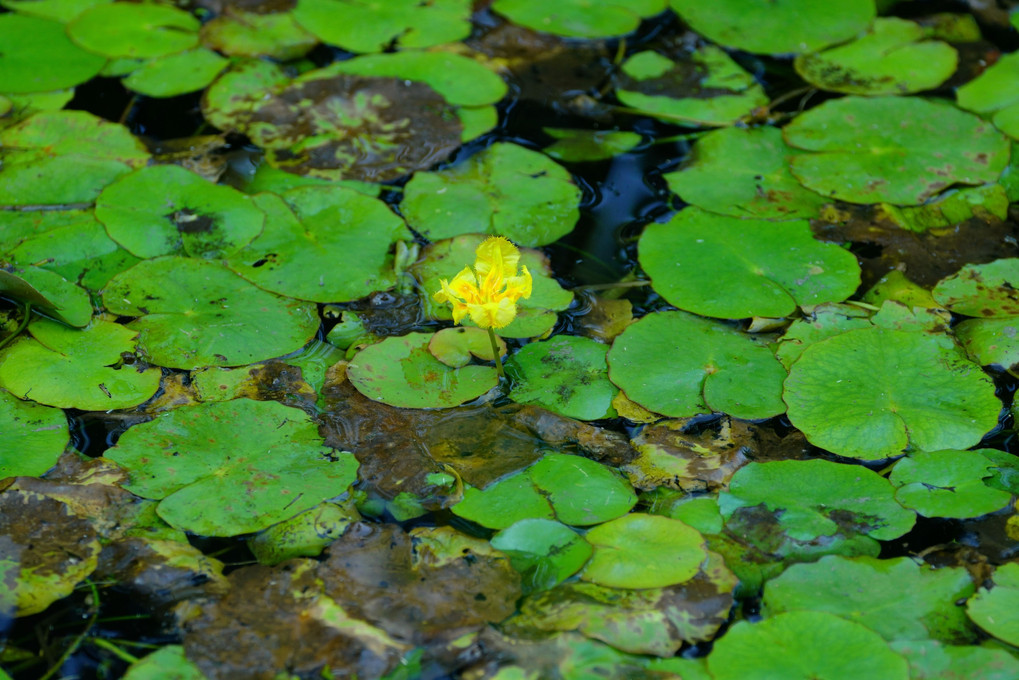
x=577 y=146
x=184 y=305
x=819 y=498
x=776 y=27
x=71 y=368
x=744 y=172
x=804 y=646
x=389 y=26
x=947 y=484
x=571 y=489
x=622 y=547
x=874 y=393
x=993 y=93
x=167 y=210
x=400 y=371
x=39 y=57
x=869 y=150
x=726 y=267
x=506 y=190
x=136 y=31
x=32 y=436
x=580 y=18
x=994 y=609
x=64 y=157
x=991 y=341
x=268 y=466
x=700 y=366
x=824 y=321
x=240 y=33
x=164 y=663
x=982 y=290
x=176 y=74
x=897 y=598
x=545 y=552
x=933 y=660
x=707 y=89
x=455 y=346
x=566 y=374
x=893 y=57
x=48 y=293
x=988 y=203
x=306 y=229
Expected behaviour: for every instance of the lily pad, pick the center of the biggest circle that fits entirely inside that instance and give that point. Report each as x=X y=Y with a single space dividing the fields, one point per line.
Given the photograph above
x=824 y=321
x=566 y=374
x=63 y=157
x=948 y=484
x=135 y=31
x=744 y=172
x=708 y=89
x=240 y=33
x=893 y=57
x=819 y=498
x=305 y=231
x=39 y=57
x=700 y=366
x=991 y=341
x=897 y=598
x=400 y=371
x=993 y=93
x=506 y=190
x=869 y=150
x=269 y=465
x=776 y=27
x=165 y=663
x=71 y=368
x=622 y=548
x=571 y=489
x=32 y=436
x=580 y=18
x=578 y=146
x=377 y=27
x=722 y=266
x=184 y=305
x=176 y=74
x=994 y=609
x=987 y=203
x=48 y=292
x=982 y=290
x=167 y=210
x=874 y=393
x=933 y=660
x=804 y=645
x=544 y=551
x=455 y=346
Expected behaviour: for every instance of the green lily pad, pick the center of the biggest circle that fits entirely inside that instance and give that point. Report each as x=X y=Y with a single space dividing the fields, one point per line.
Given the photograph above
x=622 y=548
x=505 y=190
x=176 y=74
x=400 y=371
x=167 y=210
x=700 y=366
x=994 y=609
x=947 y=484
x=545 y=552
x=305 y=231
x=869 y=150
x=933 y=660
x=71 y=368
x=874 y=393
x=377 y=27
x=993 y=93
x=776 y=27
x=893 y=57
x=722 y=266
x=48 y=292
x=988 y=203
x=32 y=436
x=824 y=321
x=571 y=489
x=580 y=18
x=455 y=346
x=818 y=498
x=184 y=305
x=536 y=315
x=269 y=465
x=578 y=146
x=39 y=57
x=166 y=663
x=566 y=374
x=897 y=598
x=991 y=342
x=21 y=106
x=136 y=31
x=804 y=645
x=708 y=89
x=744 y=172
x=982 y=290
x=62 y=157
x=251 y=34
x=55 y=10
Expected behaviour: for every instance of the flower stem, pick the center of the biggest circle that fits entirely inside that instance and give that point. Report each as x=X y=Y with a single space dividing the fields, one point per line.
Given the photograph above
x=495 y=353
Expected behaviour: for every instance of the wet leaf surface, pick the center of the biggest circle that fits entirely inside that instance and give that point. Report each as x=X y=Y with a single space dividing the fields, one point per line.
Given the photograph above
x=579 y=19
x=566 y=375
x=987 y=290
x=399 y=24
x=39 y=57
x=32 y=437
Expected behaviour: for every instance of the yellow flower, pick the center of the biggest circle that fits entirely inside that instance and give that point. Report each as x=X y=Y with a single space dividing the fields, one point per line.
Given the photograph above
x=489 y=290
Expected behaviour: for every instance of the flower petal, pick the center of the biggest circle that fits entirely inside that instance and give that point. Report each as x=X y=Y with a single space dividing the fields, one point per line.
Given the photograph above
x=497 y=255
